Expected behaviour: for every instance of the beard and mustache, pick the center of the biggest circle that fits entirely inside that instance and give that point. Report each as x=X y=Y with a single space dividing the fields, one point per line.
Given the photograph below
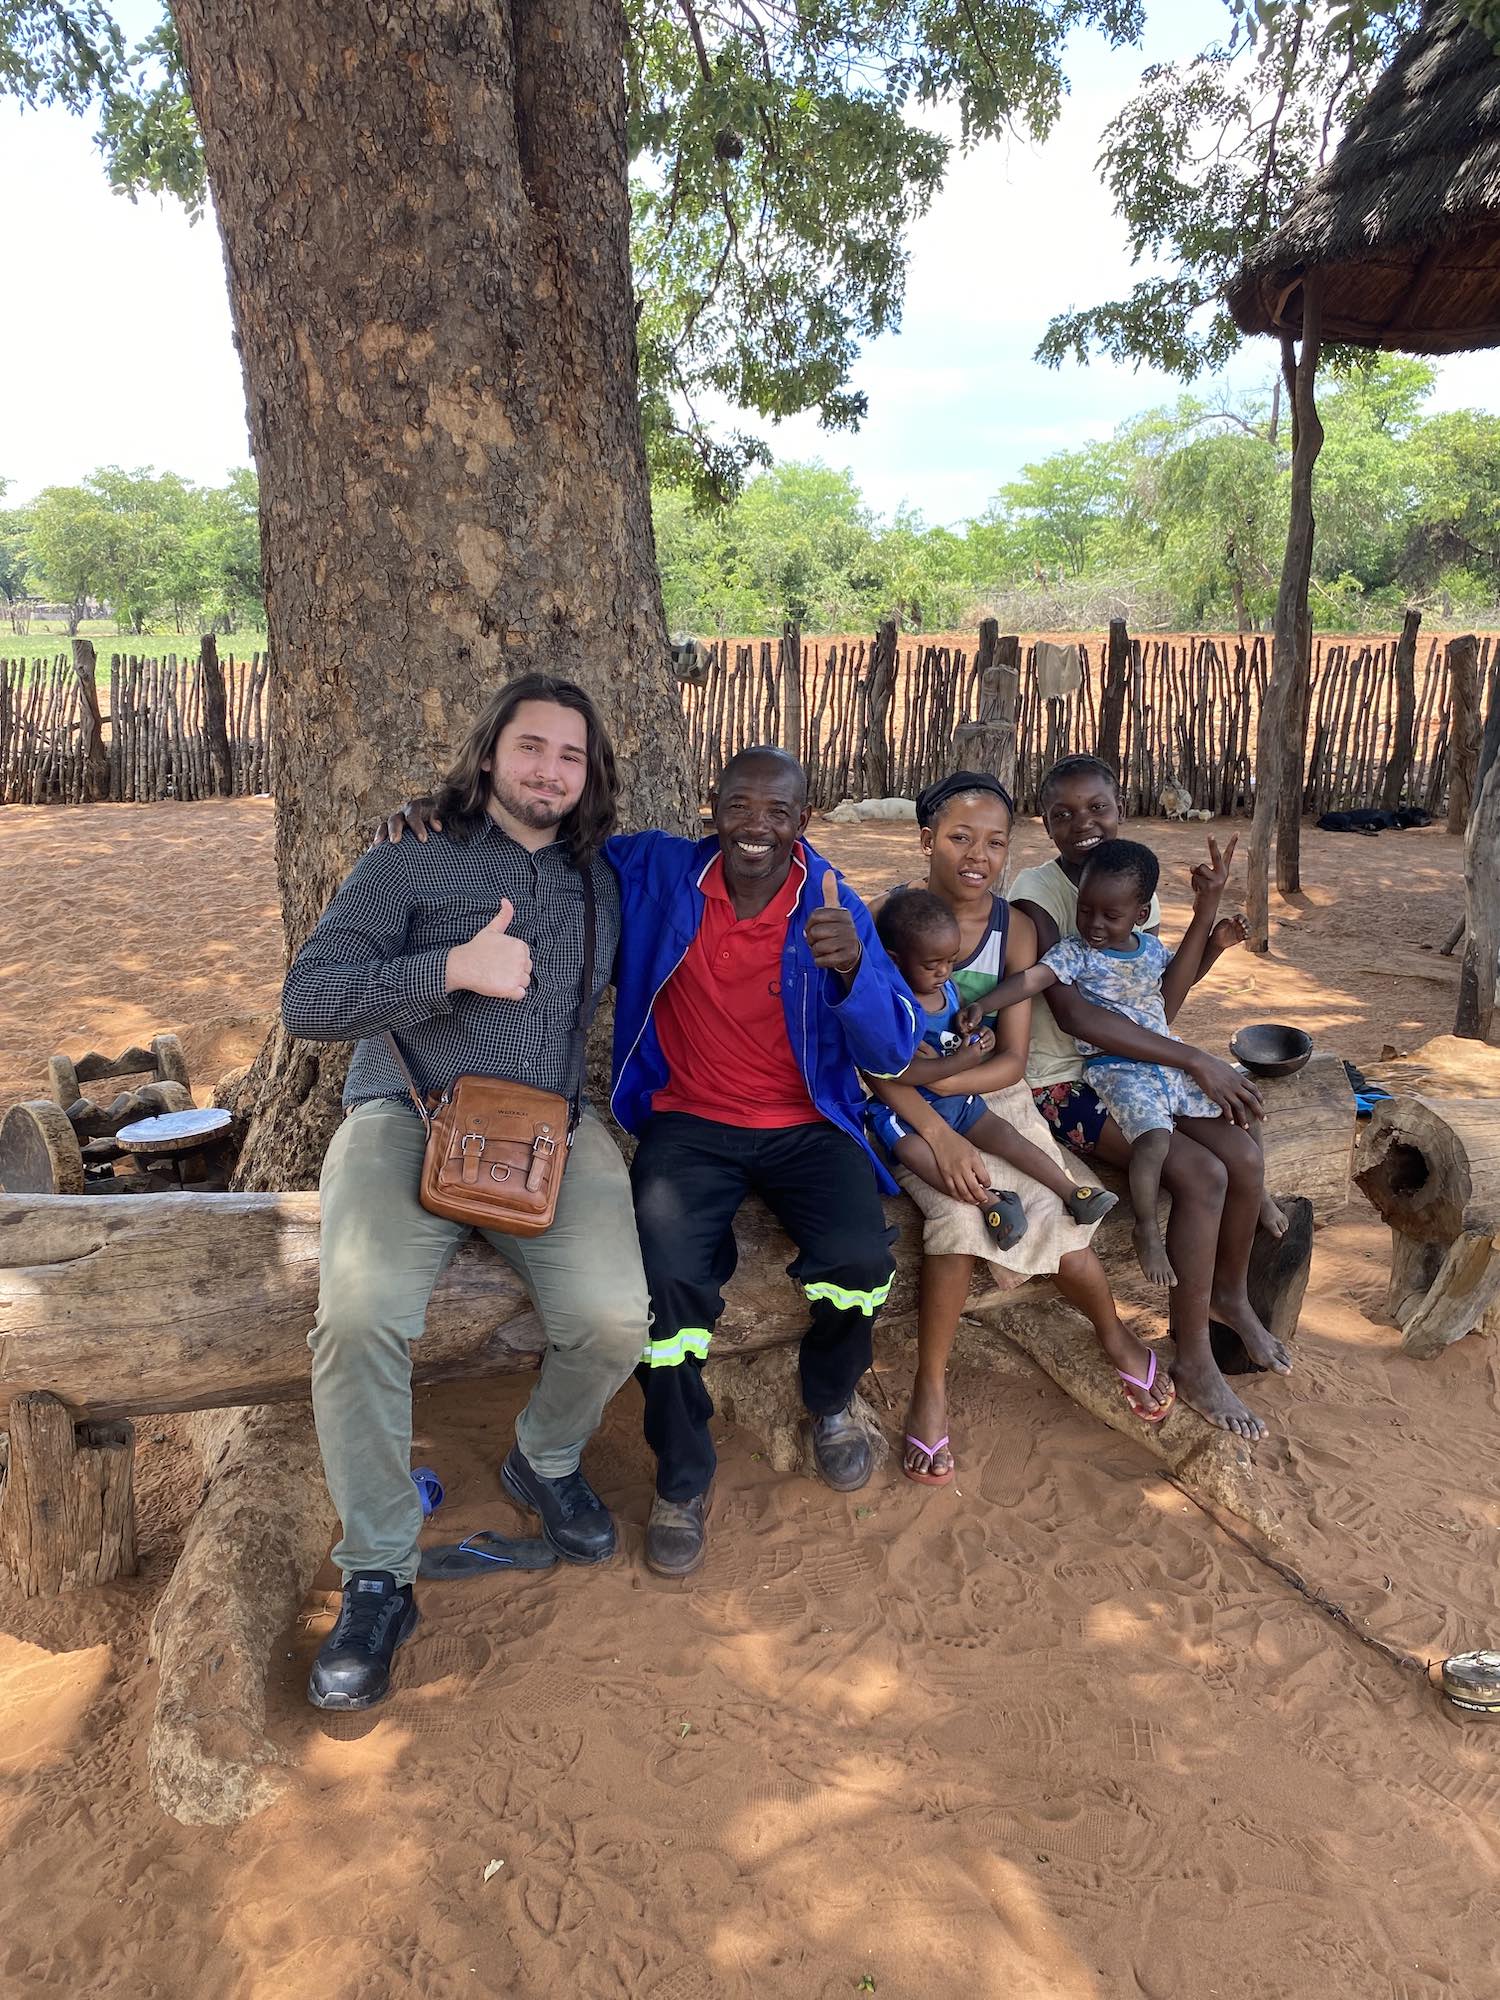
x=528 y=808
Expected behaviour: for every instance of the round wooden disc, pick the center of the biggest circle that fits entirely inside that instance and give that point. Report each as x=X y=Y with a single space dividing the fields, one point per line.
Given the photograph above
x=174 y=1131
x=39 y=1151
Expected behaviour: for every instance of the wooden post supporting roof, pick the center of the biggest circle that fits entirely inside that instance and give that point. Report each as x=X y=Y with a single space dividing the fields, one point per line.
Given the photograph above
x=1283 y=717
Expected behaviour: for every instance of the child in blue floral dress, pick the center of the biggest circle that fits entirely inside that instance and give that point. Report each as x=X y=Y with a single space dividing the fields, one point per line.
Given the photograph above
x=1115 y=963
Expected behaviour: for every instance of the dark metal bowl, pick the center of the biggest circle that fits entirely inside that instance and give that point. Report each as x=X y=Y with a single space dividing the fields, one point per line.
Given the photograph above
x=1270 y=1049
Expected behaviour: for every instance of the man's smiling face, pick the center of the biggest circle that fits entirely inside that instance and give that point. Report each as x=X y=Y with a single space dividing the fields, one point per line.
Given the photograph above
x=759 y=811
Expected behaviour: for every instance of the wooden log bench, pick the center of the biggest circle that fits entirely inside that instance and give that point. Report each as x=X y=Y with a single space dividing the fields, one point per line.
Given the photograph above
x=202 y=1303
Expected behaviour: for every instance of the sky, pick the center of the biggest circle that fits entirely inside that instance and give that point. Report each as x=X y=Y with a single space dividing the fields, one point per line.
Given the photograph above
x=115 y=343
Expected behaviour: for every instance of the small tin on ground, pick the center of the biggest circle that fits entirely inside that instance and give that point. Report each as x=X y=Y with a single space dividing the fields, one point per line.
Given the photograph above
x=1471 y=1682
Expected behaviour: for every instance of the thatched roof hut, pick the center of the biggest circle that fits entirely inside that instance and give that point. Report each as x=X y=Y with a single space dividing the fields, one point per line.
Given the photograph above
x=1404 y=221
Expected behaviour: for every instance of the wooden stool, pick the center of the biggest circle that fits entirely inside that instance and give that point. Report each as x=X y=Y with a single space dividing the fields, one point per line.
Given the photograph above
x=178 y=1136
x=163 y=1061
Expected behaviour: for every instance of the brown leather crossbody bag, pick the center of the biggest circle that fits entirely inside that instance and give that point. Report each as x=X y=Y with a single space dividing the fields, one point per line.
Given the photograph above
x=496 y=1150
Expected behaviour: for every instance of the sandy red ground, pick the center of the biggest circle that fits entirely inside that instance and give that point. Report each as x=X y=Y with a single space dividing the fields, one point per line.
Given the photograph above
x=1047 y=1733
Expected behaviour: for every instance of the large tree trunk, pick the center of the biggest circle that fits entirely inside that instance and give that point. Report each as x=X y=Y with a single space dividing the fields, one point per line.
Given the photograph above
x=1281 y=737
x=426 y=228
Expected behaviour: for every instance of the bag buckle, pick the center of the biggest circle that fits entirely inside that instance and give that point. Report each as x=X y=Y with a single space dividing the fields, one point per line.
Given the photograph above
x=477 y=1137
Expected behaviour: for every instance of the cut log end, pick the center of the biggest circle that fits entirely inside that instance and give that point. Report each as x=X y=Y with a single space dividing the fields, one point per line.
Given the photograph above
x=1413 y=1167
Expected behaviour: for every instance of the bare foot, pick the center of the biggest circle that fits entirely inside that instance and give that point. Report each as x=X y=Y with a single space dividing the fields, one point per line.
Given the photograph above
x=1130 y=1356
x=1152 y=1252
x=1272 y=1218
x=927 y=1418
x=1262 y=1346
x=1203 y=1388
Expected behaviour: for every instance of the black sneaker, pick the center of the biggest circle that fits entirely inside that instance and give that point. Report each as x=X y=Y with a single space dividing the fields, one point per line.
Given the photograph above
x=353 y=1667
x=574 y=1519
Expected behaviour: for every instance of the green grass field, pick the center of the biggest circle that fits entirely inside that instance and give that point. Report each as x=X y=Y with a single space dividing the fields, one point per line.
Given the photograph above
x=54 y=643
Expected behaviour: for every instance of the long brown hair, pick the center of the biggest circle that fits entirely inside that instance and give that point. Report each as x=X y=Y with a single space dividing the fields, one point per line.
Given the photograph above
x=463 y=795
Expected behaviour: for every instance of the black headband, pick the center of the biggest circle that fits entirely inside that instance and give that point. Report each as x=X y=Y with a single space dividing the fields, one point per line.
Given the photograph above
x=932 y=798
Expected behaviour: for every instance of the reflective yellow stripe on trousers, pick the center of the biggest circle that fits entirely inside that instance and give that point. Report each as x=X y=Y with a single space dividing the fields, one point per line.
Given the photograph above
x=677 y=1347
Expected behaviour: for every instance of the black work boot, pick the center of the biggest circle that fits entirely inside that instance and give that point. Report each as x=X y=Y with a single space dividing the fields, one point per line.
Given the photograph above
x=575 y=1521
x=841 y=1447
x=353 y=1667
x=677 y=1534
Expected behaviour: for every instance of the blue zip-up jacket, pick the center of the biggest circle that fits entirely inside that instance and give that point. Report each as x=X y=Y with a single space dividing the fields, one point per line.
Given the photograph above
x=875 y=1026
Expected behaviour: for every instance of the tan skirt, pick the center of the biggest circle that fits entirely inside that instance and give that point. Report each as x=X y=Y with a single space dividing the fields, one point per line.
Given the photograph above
x=956 y=1228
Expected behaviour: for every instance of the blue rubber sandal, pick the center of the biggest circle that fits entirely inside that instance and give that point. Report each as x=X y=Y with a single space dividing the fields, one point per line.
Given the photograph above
x=479 y=1554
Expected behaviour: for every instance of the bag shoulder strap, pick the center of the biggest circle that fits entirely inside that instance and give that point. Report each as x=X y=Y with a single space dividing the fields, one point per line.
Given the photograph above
x=411 y=1082
x=585 y=1014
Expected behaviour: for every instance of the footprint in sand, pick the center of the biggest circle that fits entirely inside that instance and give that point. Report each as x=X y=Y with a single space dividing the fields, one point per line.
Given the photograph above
x=445 y=1656
x=541 y=1691
x=1470 y=1791
x=1002 y=1478
x=1142 y=1742
x=687 y=1980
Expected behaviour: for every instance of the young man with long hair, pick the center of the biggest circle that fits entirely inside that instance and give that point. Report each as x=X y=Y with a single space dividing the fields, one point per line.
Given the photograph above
x=468 y=947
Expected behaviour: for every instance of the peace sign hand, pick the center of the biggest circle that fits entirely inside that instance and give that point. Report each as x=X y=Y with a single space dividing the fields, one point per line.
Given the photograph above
x=1210 y=878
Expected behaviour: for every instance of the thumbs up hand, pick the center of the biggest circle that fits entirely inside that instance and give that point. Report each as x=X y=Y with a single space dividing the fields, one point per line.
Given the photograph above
x=492 y=962
x=831 y=936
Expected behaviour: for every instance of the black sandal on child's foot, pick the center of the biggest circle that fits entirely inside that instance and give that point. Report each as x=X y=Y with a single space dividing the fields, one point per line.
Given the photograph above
x=1005 y=1218
x=1090 y=1204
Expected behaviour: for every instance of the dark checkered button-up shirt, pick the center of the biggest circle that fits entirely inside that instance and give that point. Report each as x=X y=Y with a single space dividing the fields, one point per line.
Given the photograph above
x=378 y=959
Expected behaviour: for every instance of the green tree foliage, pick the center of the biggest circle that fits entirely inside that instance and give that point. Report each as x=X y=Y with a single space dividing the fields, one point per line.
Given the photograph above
x=1206 y=157
x=15 y=562
x=1182 y=513
x=149 y=546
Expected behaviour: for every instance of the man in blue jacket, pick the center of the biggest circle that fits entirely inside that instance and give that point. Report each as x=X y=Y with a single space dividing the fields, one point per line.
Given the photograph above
x=750 y=988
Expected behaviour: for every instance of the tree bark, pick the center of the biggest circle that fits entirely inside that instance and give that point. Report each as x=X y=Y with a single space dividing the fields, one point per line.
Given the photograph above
x=426 y=229
x=1476 y=1015
x=1112 y=699
x=1404 y=666
x=95 y=750
x=1465 y=730
x=67 y=1511
x=216 y=714
x=989 y=743
x=265 y=1507
x=791 y=689
x=1283 y=717
x=877 y=770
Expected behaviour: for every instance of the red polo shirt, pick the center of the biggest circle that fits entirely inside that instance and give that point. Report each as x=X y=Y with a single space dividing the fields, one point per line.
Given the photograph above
x=719 y=1018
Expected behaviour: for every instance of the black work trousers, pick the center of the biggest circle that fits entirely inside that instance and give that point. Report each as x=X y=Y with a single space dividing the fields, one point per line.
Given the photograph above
x=689 y=1177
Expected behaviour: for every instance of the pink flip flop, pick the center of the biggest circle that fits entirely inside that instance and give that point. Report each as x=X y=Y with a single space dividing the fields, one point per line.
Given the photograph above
x=932 y=1450
x=1137 y=1408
